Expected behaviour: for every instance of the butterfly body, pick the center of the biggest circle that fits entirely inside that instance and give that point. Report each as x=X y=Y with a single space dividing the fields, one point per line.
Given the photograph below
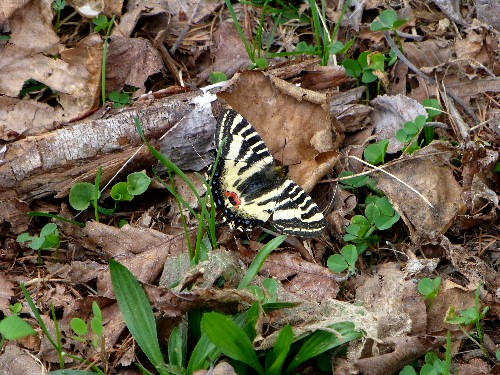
x=250 y=187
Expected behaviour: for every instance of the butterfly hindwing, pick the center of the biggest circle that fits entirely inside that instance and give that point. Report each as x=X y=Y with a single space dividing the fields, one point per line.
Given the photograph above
x=296 y=213
x=250 y=188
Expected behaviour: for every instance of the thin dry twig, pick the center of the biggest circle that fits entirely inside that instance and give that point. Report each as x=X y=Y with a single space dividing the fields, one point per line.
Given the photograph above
x=395 y=177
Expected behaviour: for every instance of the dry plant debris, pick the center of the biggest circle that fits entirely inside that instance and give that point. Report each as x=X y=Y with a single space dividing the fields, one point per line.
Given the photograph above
x=154 y=61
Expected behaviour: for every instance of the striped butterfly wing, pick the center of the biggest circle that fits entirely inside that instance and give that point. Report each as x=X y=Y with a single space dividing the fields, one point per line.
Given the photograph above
x=249 y=187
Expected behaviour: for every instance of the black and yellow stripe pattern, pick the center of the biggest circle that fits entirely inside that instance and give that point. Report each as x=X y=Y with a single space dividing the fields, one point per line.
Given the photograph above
x=250 y=188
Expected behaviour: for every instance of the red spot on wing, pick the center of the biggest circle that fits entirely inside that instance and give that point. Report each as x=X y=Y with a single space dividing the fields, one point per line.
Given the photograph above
x=233 y=198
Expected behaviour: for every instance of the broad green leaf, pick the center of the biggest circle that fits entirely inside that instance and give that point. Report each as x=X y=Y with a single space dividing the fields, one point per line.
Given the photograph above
x=138 y=183
x=375 y=153
x=230 y=339
x=350 y=254
x=216 y=77
x=433 y=107
x=408 y=370
x=79 y=326
x=352 y=68
x=12 y=327
x=337 y=263
x=120 y=192
x=81 y=194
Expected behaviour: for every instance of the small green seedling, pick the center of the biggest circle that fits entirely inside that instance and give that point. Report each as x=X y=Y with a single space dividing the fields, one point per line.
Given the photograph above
x=433 y=366
x=388 y=20
x=472 y=315
x=137 y=183
x=267 y=293
x=120 y=99
x=79 y=326
x=16 y=308
x=84 y=194
x=102 y=23
x=410 y=132
x=58 y=6
x=429 y=288
x=49 y=239
x=346 y=260
x=216 y=77
x=467 y=316
x=355 y=182
x=379 y=214
x=375 y=153
x=364 y=66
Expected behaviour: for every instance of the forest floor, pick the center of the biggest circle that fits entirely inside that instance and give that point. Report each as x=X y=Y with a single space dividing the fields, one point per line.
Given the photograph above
x=406 y=98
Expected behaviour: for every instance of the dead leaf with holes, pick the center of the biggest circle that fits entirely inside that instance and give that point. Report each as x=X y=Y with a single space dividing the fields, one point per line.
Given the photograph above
x=428 y=172
x=294 y=123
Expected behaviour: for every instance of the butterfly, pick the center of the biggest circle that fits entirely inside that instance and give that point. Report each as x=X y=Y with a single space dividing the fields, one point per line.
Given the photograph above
x=251 y=189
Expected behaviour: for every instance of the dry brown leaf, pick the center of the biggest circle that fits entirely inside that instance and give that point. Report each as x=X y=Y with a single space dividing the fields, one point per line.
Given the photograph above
x=16 y=361
x=488 y=11
x=230 y=54
x=74 y=75
x=428 y=171
x=26 y=117
x=308 y=281
x=472 y=47
x=476 y=366
x=130 y=62
x=394 y=300
x=221 y=368
x=428 y=54
x=450 y=295
x=288 y=118
x=6 y=293
x=144 y=258
x=402 y=351
x=390 y=114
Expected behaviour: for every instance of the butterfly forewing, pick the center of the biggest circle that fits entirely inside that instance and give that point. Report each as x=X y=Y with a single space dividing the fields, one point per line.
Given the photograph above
x=250 y=189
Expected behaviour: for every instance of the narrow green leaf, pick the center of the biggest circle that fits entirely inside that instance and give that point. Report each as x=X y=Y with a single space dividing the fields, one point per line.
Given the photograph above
x=204 y=352
x=321 y=341
x=281 y=350
x=230 y=339
x=259 y=260
x=137 y=312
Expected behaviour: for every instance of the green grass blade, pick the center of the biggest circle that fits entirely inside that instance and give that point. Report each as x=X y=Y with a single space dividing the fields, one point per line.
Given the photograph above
x=137 y=313
x=243 y=37
x=166 y=161
x=230 y=339
x=259 y=260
